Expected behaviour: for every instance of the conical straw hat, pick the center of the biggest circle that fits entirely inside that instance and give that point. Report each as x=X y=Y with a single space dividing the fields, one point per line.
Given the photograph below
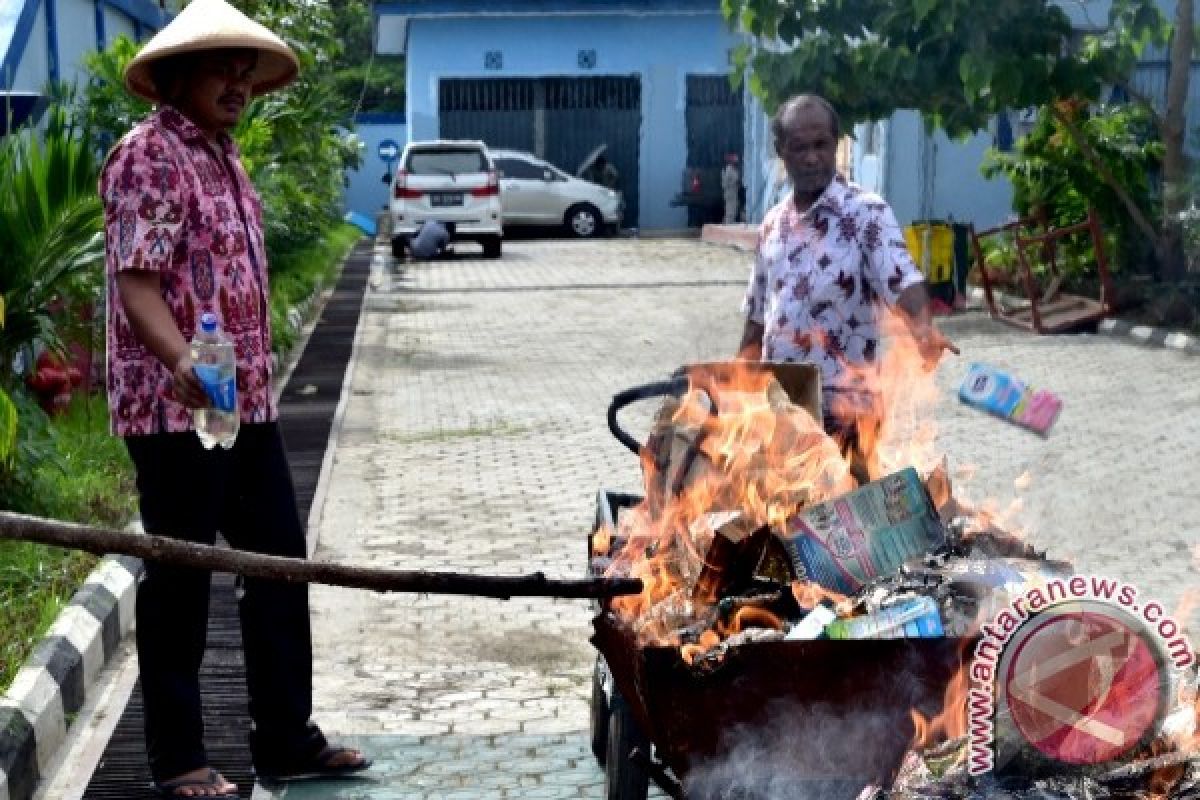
x=213 y=25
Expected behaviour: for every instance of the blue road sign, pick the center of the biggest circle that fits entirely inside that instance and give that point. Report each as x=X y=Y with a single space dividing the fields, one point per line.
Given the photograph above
x=388 y=150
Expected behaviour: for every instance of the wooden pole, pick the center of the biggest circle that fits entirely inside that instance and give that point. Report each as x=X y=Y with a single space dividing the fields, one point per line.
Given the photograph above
x=102 y=541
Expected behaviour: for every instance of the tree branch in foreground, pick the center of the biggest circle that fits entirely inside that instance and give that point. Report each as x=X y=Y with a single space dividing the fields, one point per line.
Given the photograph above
x=103 y=541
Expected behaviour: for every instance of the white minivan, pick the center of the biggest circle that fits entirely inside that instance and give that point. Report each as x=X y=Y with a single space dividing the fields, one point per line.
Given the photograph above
x=535 y=192
x=451 y=182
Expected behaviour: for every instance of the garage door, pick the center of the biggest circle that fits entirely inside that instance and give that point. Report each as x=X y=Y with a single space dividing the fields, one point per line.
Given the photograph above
x=559 y=119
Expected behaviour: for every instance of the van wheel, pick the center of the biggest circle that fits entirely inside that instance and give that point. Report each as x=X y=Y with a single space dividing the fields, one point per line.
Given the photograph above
x=492 y=247
x=583 y=221
x=399 y=245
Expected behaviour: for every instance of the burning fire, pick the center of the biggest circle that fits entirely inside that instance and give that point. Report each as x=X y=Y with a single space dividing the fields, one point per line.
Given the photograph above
x=908 y=398
x=952 y=722
x=809 y=594
x=742 y=446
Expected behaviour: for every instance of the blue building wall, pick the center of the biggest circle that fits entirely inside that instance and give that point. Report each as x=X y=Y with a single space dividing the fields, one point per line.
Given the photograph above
x=661 y=48
x=929 y=176
x=42 y=40
x=366 y=193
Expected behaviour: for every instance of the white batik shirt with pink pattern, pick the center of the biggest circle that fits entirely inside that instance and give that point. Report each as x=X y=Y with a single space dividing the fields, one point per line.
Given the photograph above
x=819 y=279
x=177 y=206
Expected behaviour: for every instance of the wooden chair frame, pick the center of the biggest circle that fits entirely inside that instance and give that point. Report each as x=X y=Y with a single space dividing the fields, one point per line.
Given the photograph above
x=1051 y=311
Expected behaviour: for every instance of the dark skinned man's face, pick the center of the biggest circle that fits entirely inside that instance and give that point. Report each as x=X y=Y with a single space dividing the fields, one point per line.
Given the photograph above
x=216 y=88
x=808 y=149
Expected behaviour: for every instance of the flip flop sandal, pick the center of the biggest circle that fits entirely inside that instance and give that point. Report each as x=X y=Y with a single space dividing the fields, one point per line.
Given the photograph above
x=317 y=765
x=210 y=781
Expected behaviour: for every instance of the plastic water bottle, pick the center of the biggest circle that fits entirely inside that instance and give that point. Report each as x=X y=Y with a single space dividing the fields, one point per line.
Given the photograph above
x=215 y=363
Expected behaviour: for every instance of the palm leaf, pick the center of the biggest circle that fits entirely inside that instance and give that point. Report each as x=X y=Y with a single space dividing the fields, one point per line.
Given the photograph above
x=8 y=429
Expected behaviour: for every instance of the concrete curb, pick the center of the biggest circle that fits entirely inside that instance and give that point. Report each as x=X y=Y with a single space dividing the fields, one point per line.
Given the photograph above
x=1151 y=336
x=1120 y=328
x=53 y=683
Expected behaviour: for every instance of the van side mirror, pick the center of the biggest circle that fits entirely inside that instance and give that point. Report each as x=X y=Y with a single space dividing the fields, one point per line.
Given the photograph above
x=547 y=175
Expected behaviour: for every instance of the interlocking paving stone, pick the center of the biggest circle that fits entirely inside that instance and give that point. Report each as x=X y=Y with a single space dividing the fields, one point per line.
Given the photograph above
x=475 y=439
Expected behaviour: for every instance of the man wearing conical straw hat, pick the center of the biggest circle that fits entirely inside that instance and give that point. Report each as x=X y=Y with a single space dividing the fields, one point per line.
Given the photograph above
x=184 y=237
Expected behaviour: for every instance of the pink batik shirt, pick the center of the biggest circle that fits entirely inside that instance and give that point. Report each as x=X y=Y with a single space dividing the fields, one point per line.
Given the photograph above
x=174 y=206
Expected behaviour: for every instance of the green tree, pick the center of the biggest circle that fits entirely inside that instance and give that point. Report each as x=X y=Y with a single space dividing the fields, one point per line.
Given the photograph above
x=369 y=82
x=959 y=62
x=1052 y=180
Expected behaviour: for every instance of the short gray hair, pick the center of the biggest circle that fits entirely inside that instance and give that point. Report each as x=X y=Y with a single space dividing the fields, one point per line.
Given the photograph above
x=798 y=101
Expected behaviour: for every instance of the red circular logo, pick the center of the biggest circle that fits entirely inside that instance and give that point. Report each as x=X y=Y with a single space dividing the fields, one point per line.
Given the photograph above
x=1084 y=686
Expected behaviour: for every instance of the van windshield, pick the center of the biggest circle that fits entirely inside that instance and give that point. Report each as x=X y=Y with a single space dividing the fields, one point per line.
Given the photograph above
x=445 y=162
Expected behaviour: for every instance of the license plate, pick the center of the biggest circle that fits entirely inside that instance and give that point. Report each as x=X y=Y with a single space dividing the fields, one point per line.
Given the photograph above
x=443 y=199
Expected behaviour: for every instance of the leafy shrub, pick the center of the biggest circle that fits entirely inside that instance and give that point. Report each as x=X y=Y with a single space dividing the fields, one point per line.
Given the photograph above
x=1054 y=181
x=51 y=232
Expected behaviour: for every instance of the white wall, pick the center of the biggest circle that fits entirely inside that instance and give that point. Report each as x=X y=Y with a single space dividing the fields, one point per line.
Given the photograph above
x=115 y=24
x=35 y=63
x=76 y=36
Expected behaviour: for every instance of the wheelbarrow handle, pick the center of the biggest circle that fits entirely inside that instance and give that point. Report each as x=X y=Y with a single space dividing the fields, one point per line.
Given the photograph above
x=675 y=386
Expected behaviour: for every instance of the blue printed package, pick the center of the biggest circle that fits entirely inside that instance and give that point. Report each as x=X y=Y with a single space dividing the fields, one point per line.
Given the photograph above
x=845 y=542
x=912 y=619
x=1004 y=395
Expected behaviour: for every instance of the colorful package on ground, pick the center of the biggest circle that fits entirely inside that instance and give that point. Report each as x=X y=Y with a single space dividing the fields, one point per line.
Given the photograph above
x=913 y=619
x=845 y=542
x=1002 y=394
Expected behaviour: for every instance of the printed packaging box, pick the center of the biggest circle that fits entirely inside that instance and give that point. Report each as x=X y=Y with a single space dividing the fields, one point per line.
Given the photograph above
x=845 y=542
x=1004 y=395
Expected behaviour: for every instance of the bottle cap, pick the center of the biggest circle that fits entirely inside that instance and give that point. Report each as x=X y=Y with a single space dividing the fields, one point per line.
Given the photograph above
x=208 y=322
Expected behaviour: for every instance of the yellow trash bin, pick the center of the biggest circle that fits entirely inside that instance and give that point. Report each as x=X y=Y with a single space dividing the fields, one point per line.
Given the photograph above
x=931 y=245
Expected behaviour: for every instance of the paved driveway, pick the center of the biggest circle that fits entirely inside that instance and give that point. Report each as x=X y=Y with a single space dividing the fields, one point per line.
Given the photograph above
x=474 y=439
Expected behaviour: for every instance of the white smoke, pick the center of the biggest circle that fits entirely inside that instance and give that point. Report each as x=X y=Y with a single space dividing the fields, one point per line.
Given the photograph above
x=813 y=753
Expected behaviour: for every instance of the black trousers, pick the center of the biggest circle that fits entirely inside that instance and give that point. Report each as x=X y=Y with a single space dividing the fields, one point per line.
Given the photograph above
x=246 y=493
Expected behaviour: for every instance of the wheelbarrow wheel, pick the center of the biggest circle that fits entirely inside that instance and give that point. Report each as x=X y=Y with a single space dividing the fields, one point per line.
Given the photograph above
x=599 y=714
x=624 y=778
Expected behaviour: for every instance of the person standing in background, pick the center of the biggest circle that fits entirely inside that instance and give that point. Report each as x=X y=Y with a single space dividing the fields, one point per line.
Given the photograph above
x=731 y=188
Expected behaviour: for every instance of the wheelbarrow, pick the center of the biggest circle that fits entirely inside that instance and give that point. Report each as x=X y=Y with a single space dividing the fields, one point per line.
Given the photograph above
x=655 y=717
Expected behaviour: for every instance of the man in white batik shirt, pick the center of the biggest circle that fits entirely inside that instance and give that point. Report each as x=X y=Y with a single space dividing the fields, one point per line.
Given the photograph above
x=828 y=256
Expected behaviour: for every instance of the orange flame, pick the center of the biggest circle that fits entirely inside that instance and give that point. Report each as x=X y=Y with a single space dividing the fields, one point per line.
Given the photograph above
x=751 y=617
x=809 y=594
x=766 y=458
x=760 y=455
x=690 y=652
x=952 y=721
x=900 y=431
x=601 y=542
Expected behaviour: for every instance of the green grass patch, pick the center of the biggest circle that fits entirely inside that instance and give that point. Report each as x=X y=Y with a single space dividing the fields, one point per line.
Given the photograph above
x=297 y=274
x=70 y=468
